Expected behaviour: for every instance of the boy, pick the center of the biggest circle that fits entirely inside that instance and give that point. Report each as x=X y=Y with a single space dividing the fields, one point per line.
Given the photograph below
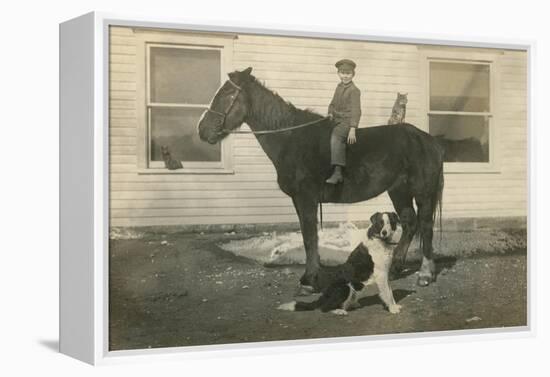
x=345 y=110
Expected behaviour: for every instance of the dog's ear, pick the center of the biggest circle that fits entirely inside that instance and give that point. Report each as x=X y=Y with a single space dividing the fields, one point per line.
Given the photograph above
x=375 y=217
x=371 y=232
x=394 y=218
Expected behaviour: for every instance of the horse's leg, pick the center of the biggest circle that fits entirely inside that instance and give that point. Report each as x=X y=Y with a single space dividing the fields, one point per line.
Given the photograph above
x=306 y=208
x=403 y=203
x=426 y=205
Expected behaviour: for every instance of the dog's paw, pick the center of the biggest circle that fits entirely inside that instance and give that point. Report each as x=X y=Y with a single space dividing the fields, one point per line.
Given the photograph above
x=289 y=306
x=394 y=309
x=339 y=312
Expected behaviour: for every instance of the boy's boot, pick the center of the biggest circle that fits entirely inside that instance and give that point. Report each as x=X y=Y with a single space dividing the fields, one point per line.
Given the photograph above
x=336 y=176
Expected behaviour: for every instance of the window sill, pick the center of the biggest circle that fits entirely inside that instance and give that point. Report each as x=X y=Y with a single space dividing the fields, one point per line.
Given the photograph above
x=186 y=171
x=470 y=168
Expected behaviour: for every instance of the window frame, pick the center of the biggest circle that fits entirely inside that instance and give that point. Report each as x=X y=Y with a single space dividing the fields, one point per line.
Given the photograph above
x=145 y=40
x=489 y=58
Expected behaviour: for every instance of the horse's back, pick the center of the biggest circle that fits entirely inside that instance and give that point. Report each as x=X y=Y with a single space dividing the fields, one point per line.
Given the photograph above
x=389 y=132
x=402 y=139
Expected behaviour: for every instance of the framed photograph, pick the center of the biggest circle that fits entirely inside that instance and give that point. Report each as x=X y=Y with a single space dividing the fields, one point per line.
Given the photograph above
x=229 y=188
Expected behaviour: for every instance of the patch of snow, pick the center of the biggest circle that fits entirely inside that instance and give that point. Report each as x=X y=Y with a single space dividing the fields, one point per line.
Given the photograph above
x=287 y=247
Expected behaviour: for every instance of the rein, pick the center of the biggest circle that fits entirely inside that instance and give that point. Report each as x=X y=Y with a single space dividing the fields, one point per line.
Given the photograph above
x=279 y=129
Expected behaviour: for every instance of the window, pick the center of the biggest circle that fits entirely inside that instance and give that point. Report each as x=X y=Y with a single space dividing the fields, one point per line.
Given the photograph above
x=180 y=76
x=460 y=109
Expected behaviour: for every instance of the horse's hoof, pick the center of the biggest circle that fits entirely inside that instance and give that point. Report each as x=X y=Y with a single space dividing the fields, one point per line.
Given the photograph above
x=424 y=281
x=308 y=280
x=304 y=290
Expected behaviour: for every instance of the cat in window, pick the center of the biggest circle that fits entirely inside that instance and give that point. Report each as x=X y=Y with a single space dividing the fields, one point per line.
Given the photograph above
x=399 y=109
x=169 y=162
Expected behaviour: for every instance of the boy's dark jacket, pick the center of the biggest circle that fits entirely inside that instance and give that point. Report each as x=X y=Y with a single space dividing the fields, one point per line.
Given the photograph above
x=346 y=105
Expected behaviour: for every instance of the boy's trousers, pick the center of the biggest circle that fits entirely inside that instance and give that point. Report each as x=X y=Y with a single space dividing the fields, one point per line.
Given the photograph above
x=338 y=141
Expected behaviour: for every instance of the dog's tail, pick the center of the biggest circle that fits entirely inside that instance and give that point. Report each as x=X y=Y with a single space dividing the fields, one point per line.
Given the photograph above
x=299 y=306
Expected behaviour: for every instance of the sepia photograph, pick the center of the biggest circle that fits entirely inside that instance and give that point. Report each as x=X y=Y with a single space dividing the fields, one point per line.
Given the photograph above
x=275 y=187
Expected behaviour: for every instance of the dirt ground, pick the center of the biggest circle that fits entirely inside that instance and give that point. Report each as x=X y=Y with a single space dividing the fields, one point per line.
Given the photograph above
x=171 y=290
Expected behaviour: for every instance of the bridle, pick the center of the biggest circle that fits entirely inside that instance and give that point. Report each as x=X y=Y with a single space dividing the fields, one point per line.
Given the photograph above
x=234 y=96
x=223 y=115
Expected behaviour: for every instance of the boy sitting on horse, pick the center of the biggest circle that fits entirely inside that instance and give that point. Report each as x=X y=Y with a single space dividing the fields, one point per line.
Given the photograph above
x=345 y=110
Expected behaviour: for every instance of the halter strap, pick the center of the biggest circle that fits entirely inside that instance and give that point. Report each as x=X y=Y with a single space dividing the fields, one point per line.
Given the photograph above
x=224 y=114
x=263 y=132
x=235 y=85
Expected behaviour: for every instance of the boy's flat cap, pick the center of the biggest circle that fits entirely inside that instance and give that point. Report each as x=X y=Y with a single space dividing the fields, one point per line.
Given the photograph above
x=345 y=64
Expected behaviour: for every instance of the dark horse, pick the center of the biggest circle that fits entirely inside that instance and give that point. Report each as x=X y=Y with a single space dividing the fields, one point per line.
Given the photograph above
x=400 y=159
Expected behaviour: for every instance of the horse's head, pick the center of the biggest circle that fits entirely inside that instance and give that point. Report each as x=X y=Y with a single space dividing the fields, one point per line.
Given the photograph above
x=227 y=110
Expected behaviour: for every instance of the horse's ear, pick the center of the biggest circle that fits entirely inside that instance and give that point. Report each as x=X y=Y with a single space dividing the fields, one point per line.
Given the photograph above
x=247 y=71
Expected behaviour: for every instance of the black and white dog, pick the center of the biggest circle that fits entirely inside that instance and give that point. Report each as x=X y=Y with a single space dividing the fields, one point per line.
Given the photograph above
x=369 y=263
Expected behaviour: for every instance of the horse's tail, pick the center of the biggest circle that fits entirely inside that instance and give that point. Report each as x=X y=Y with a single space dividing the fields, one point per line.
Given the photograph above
x=438 y=203
x=437 y=208
x=434 y=179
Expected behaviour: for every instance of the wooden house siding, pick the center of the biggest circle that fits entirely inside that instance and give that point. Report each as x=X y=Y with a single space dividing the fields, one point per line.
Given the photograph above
x=301 y=70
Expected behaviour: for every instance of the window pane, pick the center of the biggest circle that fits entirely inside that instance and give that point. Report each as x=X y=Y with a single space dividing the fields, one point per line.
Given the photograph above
x=184 y=75
x=176 y=129
x=459 y=87
x=465 y=138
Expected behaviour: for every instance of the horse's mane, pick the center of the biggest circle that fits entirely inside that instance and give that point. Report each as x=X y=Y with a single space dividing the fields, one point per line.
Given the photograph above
x=272 y=110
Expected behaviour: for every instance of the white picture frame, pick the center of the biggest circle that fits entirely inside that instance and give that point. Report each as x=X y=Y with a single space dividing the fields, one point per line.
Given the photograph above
x=84 y=191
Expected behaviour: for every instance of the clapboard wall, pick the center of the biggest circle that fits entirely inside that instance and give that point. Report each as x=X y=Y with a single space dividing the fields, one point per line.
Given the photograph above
x=301 y=70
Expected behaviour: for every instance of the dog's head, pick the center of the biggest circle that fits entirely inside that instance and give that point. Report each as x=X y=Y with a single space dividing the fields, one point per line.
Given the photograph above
x=385 y=226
